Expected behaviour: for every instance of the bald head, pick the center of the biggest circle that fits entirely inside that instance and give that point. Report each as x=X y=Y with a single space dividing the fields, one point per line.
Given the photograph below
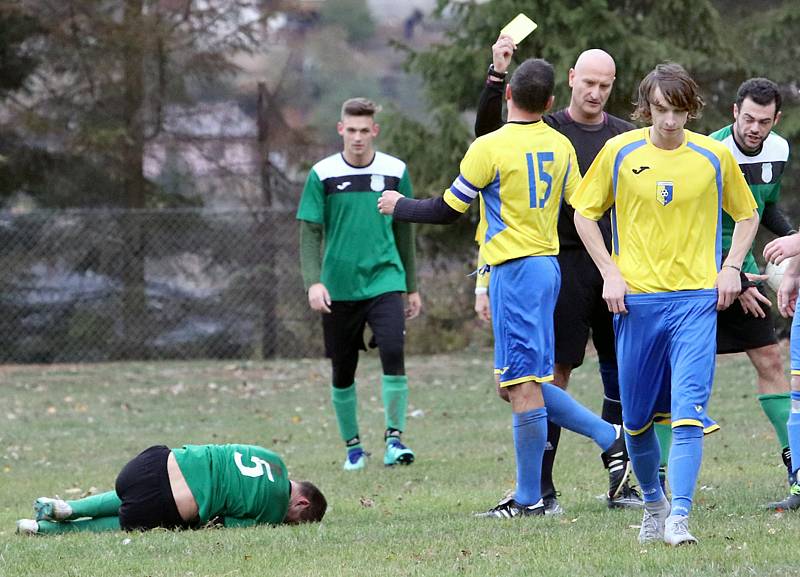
x=591 y=80
x=595 y=61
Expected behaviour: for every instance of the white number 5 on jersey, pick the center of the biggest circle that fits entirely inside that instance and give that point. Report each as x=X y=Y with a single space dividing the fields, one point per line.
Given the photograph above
x=259 y=467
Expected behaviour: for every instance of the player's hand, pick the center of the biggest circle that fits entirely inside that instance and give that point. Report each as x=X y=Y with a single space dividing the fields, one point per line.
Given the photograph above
x=787 y=295
x=614 y=290
x=482 y=307
x=729 y=285
x=749 y=300
x=413 y=305
x=782 y=248
x=318 y=298
x=502 y=50
x=388 y=201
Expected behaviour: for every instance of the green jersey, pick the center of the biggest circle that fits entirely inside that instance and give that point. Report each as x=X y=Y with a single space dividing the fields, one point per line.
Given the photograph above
x=245 y=484
x=360 y=259
x=763 y=171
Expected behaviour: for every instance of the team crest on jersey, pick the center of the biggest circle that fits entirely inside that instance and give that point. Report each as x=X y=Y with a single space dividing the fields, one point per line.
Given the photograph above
x=766 y=172
x=664 y=191
x=377 y=183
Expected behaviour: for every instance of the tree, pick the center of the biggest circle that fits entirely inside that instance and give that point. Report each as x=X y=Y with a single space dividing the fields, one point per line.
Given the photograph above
x=108 y=70
x=639 y=34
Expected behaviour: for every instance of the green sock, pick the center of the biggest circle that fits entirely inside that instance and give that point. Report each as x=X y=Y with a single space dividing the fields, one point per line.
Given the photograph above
x=94 y=525
x=777 y=408
x=664 y=434
x=345 y=403
x=395 y=400
x=101 y=505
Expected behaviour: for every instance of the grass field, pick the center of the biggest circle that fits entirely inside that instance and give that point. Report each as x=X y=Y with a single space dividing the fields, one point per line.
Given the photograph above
x=68 y=429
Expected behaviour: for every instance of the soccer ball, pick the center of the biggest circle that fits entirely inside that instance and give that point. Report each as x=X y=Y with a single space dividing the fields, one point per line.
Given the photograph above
x=775 y=272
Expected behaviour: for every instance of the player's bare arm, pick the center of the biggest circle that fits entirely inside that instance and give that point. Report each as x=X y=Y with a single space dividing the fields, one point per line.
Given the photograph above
x=482 y=307
x=318 y=298
x=787 y=292
x=782 y=248
x=751 y=297
x=614 y=286
x=729 y=282
x=413 y=305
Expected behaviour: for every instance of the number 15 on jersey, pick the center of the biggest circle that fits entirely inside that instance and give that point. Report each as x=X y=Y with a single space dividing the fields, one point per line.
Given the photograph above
x=537 y=167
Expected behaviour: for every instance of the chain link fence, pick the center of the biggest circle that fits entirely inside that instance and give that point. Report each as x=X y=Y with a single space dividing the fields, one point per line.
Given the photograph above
x=102 y=285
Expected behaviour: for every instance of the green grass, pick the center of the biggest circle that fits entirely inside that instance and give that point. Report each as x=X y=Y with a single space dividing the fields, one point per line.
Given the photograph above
x=66 y=429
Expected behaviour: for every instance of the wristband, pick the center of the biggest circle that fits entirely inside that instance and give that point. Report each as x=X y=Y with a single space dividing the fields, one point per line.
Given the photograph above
x=481 y=290
x=495 y=74
x=734 y=267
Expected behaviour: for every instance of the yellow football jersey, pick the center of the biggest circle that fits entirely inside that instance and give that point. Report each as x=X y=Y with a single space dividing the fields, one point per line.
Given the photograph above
x=666 y=208
x=520 y=171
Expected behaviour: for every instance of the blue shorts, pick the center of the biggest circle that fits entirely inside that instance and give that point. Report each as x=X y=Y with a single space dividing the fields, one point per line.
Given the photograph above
x=666 y=349
x=524 y=293
x=795 y=345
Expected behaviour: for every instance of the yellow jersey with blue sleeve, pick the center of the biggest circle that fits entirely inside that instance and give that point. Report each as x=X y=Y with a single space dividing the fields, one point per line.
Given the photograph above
x=521 y=171
x=666 y=208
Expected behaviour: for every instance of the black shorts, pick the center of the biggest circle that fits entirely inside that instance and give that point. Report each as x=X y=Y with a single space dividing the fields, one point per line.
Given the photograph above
x=144 y=489
x=738 y=332
x=581 y=310
x=343 y=328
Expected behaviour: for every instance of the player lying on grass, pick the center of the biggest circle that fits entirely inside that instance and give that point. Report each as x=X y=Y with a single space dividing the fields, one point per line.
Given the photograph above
x=186 y=488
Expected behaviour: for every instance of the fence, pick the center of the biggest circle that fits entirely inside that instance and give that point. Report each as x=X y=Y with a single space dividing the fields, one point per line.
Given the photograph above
x=114 y=284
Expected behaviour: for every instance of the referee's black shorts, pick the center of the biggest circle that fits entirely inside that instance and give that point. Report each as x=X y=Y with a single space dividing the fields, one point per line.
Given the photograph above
x=581 y=311
x=738 y=331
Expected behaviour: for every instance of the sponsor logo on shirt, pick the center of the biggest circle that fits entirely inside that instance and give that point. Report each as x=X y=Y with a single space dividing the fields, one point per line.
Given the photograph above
x=343 y=185
x=639 y=170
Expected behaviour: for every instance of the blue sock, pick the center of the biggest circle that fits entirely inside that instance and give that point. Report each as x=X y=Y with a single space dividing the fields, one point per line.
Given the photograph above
x=566 y=412
x=530 y=437
x=793 y=429
x=645 y=455
x=683 y=469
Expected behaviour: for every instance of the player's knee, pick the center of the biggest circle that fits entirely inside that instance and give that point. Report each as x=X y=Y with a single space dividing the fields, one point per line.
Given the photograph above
x=392 y=358
x=502 y=392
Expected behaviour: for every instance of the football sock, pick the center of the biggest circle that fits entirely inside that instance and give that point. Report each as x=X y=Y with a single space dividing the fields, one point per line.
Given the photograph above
x=394 y=390
x=530 y=436
x=566 y=412
x=550 y=448
x=612 y=411
x=94 y=525
x=793 y=427
x=645 y=455
x=612 y=408
x=101 y=505
x=353 y=444
x=777 y=408
x=664 y=434
x=345 y=404
x=684 y=466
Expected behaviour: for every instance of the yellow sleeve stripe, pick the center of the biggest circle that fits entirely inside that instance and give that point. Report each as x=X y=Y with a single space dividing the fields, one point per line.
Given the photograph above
x=454 y=202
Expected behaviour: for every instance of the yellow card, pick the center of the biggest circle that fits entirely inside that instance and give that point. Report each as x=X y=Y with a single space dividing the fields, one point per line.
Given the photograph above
x=519 y=28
